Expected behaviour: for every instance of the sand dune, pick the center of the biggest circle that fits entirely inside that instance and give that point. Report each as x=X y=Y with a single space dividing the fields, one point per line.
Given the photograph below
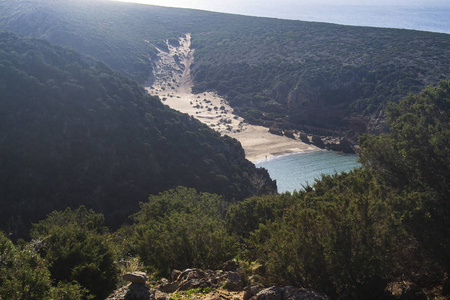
x=173 y=84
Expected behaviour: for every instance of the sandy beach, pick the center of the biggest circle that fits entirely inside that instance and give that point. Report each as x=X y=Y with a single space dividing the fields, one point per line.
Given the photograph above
x=173 y=85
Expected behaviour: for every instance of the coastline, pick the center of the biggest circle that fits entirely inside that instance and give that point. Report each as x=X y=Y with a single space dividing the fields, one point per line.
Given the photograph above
x=173 y=85
x=259 y=144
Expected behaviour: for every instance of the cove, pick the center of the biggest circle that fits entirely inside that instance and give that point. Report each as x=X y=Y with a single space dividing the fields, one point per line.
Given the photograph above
x=293 y=171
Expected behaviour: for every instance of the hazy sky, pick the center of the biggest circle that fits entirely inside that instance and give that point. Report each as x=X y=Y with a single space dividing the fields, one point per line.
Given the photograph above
x=249 y=6
x=410 y=14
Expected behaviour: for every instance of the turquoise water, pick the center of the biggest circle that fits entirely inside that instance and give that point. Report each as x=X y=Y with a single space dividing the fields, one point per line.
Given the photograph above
x=295 y=170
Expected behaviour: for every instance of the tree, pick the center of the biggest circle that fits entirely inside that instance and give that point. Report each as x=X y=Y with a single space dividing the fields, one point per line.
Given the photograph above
x=414 y=160
x=338 y=238
x=77 y=247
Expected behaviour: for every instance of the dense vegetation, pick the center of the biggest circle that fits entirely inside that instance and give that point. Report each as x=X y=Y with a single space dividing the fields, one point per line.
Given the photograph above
x=322 y=78
x=75 y=132
x=78 y=248
x=351 y=236
x=24 y=275
x=181 y=229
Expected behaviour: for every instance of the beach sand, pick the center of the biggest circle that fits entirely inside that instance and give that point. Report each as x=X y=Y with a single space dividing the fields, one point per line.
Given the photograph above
x=173 y=85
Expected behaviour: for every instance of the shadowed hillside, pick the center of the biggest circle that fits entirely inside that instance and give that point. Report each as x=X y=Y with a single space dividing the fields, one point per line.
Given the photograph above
x=74 y=132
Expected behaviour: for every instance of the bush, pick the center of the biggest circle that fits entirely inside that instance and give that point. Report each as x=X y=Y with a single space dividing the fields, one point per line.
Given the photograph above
x=414 y=160
x=182 y=228
x=337 y=238
x=77 y=248
x=23 y=273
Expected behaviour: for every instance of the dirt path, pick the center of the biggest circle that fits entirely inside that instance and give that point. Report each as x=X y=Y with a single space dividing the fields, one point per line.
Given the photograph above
x=173 y=84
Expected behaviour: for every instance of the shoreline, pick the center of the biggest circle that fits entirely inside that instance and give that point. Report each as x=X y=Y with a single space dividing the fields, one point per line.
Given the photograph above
x=275 y=156
x=259 y=144
x=173 y=85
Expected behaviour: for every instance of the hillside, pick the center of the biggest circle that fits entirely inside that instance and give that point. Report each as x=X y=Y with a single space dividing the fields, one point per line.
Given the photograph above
x=377 y=232
x=75 y=132
x=321 y=78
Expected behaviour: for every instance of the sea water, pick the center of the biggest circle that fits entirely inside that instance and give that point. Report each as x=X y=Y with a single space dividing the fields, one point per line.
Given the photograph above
x=294 y=171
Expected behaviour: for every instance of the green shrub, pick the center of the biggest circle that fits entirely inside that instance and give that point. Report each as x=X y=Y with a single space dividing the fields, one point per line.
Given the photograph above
x=337 y=238
x=69 y=291
x=182 y=228
x=23 y=273
x=77 y=248
x=414 y=160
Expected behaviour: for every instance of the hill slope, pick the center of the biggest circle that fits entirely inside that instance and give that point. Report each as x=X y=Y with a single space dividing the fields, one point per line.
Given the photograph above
x=74 y=132
x=322 y=78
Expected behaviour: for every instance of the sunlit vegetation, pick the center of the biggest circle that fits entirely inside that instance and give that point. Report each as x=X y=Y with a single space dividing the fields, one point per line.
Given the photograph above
x=292 y=74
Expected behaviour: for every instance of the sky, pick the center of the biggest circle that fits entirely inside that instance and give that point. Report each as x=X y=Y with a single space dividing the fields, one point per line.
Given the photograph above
x=428 y=15
x=248 y=6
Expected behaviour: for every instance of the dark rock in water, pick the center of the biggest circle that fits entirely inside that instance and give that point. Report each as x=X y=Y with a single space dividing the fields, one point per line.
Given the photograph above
x=135 y=277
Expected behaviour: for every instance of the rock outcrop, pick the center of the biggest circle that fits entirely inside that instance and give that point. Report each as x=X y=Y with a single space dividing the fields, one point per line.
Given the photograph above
x=196 y=278
x=227 y=281
x=282 y=293
x=135 y=277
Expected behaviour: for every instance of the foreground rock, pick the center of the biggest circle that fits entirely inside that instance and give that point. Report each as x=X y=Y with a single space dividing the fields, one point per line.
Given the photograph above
x=283 y=293
x=224 y=284
x=196 y=278
x=135 y=277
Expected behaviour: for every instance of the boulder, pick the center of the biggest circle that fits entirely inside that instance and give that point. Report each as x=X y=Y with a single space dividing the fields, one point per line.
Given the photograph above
x=138 y=291
x=272 y=293
x=161 y=295
x=133 y=291
x=233 y=282
x=250 y=291
x=288 y=293
x=192 y=279
x=175 y=274
x=230 y=265
x=135 y=277
x=167 y=287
